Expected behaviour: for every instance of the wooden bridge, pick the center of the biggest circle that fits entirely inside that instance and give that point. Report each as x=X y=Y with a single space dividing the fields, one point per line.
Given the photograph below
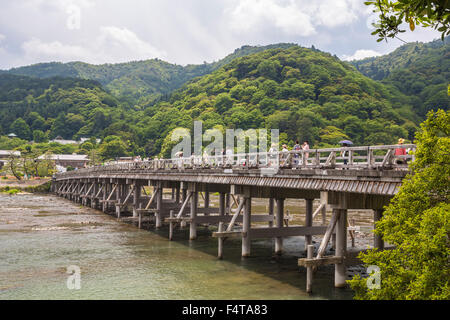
x=342 y=178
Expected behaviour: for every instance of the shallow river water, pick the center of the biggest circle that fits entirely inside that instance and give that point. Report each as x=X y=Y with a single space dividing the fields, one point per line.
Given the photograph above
x=42 y=235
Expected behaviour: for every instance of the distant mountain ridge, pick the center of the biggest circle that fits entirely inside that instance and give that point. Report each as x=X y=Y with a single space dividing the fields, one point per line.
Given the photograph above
x=419 y=70
x=135 y=79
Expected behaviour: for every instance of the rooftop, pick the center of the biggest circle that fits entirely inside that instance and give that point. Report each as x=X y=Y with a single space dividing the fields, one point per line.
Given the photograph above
x=66 y=157
x=7 y=153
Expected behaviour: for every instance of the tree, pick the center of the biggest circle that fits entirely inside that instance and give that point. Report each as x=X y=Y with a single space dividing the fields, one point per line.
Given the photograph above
x=112 y=147
x=14 y=164
x=223 y=102
x=435 y=13
x=417 y=223
x=39 y=136
x=21 y=129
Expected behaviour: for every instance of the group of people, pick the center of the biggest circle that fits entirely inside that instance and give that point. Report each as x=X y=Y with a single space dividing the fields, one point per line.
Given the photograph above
x=282 y=157
x=297 y=147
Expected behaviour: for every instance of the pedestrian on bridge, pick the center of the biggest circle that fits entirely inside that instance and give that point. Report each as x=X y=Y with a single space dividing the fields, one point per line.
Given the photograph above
x=297 y=149
x=305 y=147
x=399 y=152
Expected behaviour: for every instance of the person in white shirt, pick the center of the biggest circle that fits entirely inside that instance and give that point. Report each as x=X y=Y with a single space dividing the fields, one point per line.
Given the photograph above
x=305 y=147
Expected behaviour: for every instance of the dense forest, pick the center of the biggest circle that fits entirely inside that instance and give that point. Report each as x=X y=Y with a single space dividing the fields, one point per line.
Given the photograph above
x=420 y=70
x=133 y=107
x=136 y=81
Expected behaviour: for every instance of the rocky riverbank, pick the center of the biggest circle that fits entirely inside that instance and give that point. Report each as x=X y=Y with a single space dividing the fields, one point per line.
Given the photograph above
x=31 y=186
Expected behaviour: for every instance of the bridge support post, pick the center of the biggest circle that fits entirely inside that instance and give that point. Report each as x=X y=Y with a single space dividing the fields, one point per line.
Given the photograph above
x=136 y=197
x=105 y=191
x=271 y=207
x=177 y=194
x=159 y=206
x=183 y=197
x=324 y=201
x=222 y=207
x=206 y=202
x=279 y=223
x=118 y=198
x=94 y=193
x=80 y=187
x=308 y=221
x=193 y=224
x=341 y=249
x=333 y=240
x=377 y=240
x=246 y=225
x=220 y=242
x=309 y=270
x=228 y=203
x=77 y=191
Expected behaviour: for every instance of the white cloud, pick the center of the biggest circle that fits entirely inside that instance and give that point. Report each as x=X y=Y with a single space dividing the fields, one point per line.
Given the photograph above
x=124 y=45
x=361 y=54
x=2 y=37
x=294 y=17
x=54 y=51
x=333 y=13
x=250 y=15
x=112 y=45
x=60 y=4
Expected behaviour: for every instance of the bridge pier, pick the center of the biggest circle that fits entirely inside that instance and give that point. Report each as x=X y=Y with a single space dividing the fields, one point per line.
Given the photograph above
x=193 y=223
x=95 y=190
x=271 y=212
x=341 y=249
x=308 y=221
x=136 y=197
x=159 y=205
x=279 y=216
x=177 y=194
x=246 y=225
x=119 y=189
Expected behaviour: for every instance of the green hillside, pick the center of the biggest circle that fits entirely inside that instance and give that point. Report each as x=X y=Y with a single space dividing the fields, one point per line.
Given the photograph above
x=138 y=80
x=420 y=70
x=305 y=93
x=64 y=107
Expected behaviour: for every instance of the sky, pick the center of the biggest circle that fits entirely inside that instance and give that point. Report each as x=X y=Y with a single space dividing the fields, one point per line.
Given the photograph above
x=183 y=31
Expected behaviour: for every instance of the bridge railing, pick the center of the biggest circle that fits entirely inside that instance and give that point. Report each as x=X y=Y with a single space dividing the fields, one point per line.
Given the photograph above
x=363 y=157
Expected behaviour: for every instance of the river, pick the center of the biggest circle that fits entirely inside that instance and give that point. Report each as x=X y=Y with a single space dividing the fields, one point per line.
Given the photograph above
x=42 y=235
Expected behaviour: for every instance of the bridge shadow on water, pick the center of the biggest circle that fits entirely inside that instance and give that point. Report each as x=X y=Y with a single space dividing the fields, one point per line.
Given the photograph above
x=262 y=261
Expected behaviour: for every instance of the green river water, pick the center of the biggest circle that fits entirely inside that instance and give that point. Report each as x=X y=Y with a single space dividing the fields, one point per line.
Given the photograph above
x=41 y=235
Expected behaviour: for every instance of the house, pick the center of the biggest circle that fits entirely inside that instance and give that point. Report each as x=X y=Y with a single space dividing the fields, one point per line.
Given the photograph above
x=83 y=140
x=60 y=140
x=12 y=135
x=67 y=160
x=5 y=155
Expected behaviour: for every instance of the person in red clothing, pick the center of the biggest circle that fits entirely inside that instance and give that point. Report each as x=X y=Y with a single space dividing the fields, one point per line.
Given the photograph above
x=400 y=152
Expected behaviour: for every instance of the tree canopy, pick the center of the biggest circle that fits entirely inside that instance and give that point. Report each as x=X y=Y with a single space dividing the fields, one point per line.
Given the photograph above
x=417 y=223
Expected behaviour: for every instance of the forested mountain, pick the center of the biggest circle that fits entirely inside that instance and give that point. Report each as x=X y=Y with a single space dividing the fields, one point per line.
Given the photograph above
x=306 y=93
x=420 y=70
x=138 y=80
x=64 y=107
